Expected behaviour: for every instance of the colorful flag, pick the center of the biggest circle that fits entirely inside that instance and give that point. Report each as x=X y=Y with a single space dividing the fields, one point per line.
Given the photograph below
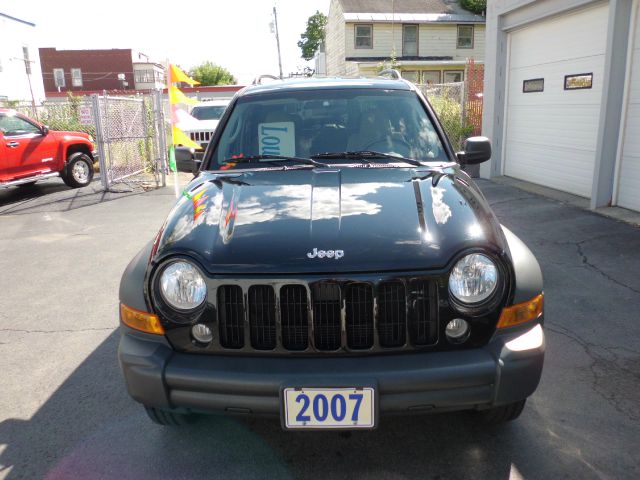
x=176 y=96
x=181 y=138
x=178 y=75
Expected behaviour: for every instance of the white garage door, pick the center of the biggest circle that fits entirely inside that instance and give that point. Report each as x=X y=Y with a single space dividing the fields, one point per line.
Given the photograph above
x=628 y=194
x=550 y=136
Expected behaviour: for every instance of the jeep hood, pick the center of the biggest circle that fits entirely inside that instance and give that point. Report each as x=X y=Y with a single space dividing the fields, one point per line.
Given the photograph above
x=383 y=219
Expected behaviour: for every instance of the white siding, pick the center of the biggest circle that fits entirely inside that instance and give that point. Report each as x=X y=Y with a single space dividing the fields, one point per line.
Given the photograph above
x=433 y=40
x=550 y=137
x=335 y=40
x=14 y=83
x=628 y=194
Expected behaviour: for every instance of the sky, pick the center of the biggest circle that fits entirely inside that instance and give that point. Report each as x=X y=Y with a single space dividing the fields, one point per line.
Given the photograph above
x=231 y=33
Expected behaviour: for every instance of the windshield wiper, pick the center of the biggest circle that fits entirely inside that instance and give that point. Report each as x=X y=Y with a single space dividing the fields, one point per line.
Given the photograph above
x=365 y=155
x=273 y=159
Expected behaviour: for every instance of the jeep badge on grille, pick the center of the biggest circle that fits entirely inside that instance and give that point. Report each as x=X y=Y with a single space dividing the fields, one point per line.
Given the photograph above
x=337 y=254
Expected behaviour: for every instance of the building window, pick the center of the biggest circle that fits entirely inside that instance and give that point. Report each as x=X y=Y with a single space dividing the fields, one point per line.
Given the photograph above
x=465 y=36
x=431 y=77
x=578 y=81
x=145 y=76
x=453 y=76
x=58 y=77
x=410 y=40
x=533 y=85
x=364 y=36
x=411 y=75
x=76 y=77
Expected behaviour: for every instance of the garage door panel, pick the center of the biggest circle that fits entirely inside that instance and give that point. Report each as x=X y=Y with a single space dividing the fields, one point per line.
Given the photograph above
x=551 y=136
x=557 y=170
x=554 y=91
x=559 y=40
x=554 y=127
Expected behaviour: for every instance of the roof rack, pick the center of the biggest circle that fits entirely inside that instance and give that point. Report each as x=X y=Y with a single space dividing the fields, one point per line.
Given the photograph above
x=258 y=79
x=391 y=72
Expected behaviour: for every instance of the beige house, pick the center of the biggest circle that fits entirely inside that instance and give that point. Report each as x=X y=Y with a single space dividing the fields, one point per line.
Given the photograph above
x=431 y=40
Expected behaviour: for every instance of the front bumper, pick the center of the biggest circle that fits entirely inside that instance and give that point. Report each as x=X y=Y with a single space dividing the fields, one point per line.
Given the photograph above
x=493 y=375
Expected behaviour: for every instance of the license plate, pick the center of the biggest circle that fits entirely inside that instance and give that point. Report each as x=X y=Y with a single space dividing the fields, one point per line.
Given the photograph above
x=329 y=408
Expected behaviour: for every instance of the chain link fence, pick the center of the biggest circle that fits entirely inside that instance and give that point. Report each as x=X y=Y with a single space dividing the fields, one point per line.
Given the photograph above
x=449 y=102
x=129 y=132
x=128 y=139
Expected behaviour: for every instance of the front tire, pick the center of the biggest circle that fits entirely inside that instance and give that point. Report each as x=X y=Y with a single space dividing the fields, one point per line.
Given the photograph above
x=169 y=418
x=502 y=414
x=79 y=170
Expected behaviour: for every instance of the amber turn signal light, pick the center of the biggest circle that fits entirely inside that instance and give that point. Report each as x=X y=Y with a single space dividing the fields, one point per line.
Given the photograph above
x=522 y=312
x=138 y=320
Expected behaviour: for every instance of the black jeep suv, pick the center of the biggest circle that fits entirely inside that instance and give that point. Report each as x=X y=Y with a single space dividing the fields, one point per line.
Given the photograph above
x=331 y=263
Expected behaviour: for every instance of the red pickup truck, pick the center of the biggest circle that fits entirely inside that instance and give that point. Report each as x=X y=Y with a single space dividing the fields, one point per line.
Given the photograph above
x=29 y=152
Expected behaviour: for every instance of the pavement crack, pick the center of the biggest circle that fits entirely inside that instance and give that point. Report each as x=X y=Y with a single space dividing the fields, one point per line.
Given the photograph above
x=585 y=260
x=615 y=382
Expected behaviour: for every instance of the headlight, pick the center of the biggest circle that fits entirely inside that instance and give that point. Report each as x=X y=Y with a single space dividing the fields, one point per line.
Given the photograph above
x=182 y=286
x=473 y=279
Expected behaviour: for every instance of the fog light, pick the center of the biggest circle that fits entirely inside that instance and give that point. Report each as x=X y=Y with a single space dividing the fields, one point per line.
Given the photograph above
x=457 y=330
x=202 y=333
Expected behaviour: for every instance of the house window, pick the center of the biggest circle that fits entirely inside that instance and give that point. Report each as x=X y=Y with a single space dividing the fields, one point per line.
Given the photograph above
x=58 y=77
x=364 y=36
x=410 y=40
x=453 y=76
x=533 y=85
x=579 y=81
x=76 y=77
x=144 y=76
x=465 y=36
x=411 y=75
x=431 y=77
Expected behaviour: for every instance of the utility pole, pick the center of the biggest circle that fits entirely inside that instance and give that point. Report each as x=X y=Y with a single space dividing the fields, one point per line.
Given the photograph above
x=275 y=18
x=27 y=69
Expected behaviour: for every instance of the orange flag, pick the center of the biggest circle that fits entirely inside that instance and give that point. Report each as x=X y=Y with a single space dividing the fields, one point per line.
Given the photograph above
x=177 y=75
x=181 y=138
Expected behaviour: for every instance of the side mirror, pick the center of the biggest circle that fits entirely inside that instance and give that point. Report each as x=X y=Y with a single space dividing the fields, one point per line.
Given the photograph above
x=185 y=161
x=476 y=150
x=45 y=130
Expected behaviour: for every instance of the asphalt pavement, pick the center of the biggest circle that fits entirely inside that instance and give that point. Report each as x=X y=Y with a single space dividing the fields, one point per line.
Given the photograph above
x=65 y=414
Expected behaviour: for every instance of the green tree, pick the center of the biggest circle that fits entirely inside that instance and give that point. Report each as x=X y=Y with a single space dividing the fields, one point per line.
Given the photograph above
x=313 y=35
x=475 y=6
x=208 y=73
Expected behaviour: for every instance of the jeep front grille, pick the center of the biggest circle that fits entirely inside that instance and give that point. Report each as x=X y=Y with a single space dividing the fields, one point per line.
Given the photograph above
x=359 y=309
x=328 y=316
x=231 y=316
x=294 y=317
x=200 y=136
x=262 y=317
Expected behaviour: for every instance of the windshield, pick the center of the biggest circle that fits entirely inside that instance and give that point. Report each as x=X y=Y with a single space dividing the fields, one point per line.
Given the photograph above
x=312 y=122
x=210 y=112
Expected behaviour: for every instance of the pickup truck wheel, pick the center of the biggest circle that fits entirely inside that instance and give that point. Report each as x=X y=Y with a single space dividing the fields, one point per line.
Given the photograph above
x=502 y=414
x=169 y=418
x=79 y=170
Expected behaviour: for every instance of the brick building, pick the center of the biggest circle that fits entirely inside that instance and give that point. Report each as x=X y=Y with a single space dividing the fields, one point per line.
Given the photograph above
x=115 y=69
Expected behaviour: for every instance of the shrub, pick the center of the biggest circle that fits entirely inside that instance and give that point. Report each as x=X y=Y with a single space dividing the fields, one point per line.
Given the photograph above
x=449 y=112
x=475 y=6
